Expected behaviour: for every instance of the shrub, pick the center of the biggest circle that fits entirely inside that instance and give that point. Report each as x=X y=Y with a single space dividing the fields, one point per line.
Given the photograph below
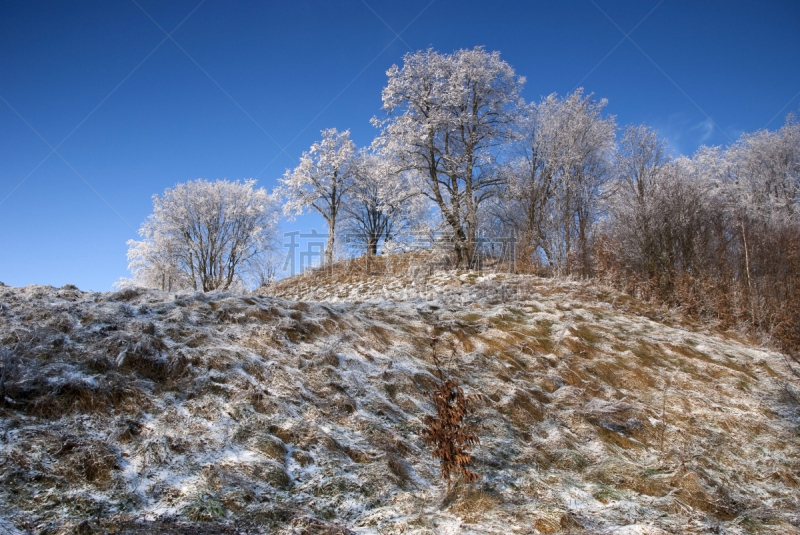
x=447 y=432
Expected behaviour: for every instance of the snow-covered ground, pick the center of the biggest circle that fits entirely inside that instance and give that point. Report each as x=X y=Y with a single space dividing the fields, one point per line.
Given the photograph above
x=216 y=413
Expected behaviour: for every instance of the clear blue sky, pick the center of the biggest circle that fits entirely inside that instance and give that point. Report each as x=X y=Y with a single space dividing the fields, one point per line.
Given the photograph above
x=131 y=112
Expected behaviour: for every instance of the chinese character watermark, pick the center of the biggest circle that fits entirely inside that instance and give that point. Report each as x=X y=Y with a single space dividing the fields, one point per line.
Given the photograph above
x=313 y=256
x=308 y=251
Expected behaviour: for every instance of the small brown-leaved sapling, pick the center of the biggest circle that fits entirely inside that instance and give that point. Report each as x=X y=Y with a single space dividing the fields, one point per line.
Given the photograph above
x=450 y=436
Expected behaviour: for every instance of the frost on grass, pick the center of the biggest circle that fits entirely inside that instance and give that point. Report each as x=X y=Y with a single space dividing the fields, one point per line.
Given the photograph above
x=145 y=411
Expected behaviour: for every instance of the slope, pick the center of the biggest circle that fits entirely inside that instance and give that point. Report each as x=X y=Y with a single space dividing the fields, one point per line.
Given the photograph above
x=213 y=413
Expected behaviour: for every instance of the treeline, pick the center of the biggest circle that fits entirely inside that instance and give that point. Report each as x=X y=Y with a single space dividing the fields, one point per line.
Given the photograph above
x=717 y=234
x=461 y=156
x=460 y=152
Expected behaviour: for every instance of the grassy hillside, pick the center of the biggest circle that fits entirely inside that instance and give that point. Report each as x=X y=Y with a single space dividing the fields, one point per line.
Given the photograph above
x=144 y=411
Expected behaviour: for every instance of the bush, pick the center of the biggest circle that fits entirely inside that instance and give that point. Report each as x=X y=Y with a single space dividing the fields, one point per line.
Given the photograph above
x=447 y=433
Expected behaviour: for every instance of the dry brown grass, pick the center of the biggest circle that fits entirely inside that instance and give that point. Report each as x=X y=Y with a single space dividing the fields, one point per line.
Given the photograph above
x=469 y=503
x=86 y=459
x=580 y=348
x=523 y=410
x=539 y=337
x=729 y=362
x=359 y=269
x=42 y=391
x=619 y=473
x=587 y=334
x=610 y=373
x=347 y=426
x=648 y=353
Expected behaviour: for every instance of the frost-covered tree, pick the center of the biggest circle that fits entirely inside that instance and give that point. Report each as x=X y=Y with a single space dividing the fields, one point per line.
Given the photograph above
x=637 y=200
x=449 y=116
x=155 y=262
x=321 y=181
x=381 y=203
x=761 y=181
x=672 y=231
x=553 y=184
x=639 y=158
x=203 y=235
x=717 y=234
x=763 y=172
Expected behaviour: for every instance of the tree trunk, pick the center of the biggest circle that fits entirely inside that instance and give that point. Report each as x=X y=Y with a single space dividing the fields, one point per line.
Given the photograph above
x=372 y=246
x=329 y=249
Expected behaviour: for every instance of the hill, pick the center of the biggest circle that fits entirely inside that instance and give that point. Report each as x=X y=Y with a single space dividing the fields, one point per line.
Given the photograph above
x=142 y=411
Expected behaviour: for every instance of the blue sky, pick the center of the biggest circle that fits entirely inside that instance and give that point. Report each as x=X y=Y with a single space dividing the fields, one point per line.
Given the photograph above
x=138 y=96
